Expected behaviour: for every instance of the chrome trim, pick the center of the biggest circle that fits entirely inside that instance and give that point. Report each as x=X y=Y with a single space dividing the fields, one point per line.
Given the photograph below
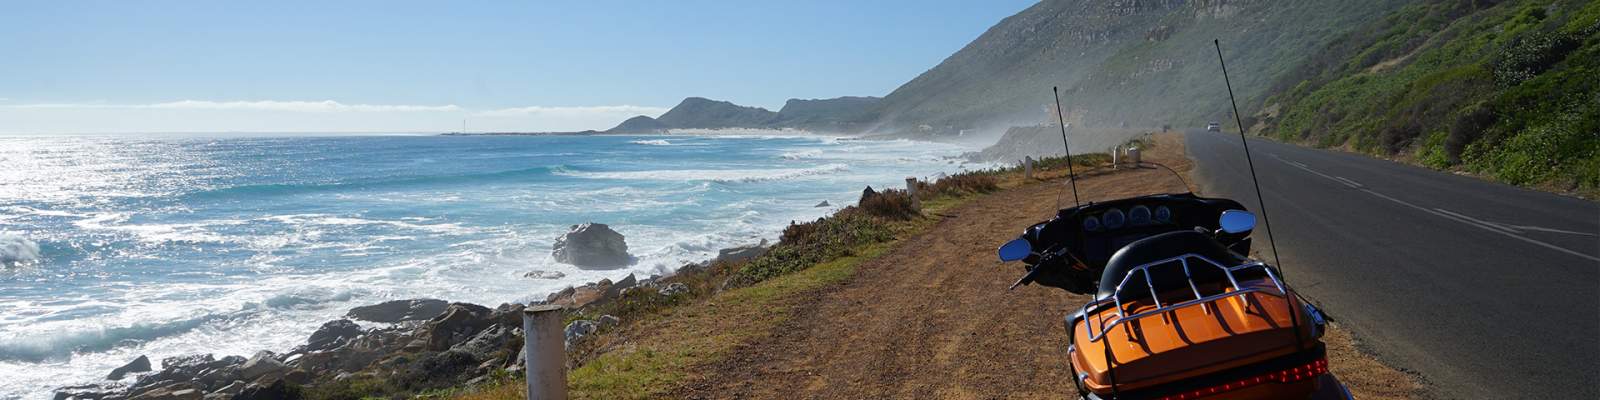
x=1183 y=260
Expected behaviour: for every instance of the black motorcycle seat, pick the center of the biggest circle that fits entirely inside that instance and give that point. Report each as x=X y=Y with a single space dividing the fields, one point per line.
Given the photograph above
x=1163 y=246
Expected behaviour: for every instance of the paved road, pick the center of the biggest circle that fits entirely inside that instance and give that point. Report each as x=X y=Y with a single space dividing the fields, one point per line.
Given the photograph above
x=1487 y=290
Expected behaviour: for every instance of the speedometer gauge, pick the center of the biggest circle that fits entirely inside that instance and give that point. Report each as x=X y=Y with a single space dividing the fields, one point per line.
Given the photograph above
x=1139 y=216
x=1091 y=224
x=1163 y=214
x=1114 y=218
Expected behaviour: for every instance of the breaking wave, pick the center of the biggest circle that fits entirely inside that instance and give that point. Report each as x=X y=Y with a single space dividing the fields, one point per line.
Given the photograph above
x=717 y=175
x=17 y=250
x=656 y=142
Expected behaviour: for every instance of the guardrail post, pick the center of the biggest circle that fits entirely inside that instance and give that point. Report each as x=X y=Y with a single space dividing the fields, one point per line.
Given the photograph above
x=545 y=346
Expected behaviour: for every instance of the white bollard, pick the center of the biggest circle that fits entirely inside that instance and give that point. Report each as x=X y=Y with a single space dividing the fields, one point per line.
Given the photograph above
x=1133 y=155
x=1027 y=167
x=911 y=186
x=1116 y=157
x=545 y=345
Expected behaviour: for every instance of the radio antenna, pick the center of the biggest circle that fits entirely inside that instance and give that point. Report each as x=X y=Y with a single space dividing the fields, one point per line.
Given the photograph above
x=1250 y=162
x=1062 y=122
x=1294 y=317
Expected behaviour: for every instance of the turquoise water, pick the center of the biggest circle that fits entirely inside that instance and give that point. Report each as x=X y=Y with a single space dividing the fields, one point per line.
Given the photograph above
x=116 y=247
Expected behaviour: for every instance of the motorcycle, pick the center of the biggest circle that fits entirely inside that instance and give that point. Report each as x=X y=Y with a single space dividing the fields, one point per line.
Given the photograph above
x=1179 y=311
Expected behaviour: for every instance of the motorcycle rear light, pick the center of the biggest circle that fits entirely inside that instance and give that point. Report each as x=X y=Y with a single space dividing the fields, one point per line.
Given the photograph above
x=1289 y=375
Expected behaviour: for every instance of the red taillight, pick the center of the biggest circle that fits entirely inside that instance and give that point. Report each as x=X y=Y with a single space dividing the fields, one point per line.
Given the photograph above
x=1288 y=375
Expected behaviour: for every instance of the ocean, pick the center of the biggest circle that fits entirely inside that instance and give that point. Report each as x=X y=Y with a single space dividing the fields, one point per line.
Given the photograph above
x=114 y=247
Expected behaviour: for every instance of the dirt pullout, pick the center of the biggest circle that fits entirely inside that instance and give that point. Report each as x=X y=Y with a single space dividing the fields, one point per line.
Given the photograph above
x=932 y=318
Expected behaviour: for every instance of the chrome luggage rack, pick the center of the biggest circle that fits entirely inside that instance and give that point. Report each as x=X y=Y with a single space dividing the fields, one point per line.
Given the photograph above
x=1116 y=297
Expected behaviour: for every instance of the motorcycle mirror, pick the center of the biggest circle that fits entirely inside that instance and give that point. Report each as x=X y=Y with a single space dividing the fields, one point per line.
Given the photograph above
x=1237 y=221
x=1015 y=249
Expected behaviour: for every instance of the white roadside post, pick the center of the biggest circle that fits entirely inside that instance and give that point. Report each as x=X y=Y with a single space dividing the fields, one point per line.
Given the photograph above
x=1027 y=167
x=546 y=349
x=1133 y=155
x=1116 y=157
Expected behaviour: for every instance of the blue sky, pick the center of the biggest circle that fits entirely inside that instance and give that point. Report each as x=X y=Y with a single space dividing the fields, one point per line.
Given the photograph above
x=344 y=66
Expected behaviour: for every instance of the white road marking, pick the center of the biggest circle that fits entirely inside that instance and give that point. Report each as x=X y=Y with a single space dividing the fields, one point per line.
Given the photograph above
x=1348 y=182
x=1447 y=214
x=1475 y=221
x=1470 y=223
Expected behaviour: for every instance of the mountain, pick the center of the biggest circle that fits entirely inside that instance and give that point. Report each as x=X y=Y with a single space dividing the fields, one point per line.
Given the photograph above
x=1506 y=89
x=703 y=113
x=1143 y=63
x=639 y=124
x=843 y=114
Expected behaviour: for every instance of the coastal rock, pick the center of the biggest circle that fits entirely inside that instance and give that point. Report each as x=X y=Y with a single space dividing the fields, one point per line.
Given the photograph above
x=582 y=295
x=578 y=330
x=608 y=321
x=544 y=275
x=263 y=363
x=868 y=193
x=191 y=361
x=459 y=322
x=742 y=253
x=141 y=364
x=332 y=334
x=592 y=245
x=93 y=391
x=483 y=345
x=232 y=388
x=615 y=289
x=177 y=391
x=824 y=203
x=399 y=310
x=277 y=390
x=674 y=288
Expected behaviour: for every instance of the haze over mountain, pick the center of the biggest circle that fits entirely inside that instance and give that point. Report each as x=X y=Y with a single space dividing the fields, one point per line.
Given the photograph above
x=1145 y=63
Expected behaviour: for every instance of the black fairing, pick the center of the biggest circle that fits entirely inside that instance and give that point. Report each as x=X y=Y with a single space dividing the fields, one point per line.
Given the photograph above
x=1073 y=258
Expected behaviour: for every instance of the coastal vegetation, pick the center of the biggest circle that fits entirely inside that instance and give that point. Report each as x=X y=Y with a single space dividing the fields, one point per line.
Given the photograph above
x=1508 y=90
x=732 y=303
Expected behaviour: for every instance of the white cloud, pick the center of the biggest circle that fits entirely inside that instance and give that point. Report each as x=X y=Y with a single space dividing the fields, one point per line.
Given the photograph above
x=265 y=105
x=572 y=111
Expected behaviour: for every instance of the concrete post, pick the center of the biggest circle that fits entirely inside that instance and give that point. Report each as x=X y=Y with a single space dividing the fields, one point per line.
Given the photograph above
x=546 y=348
x=1133 y=155
x=1027 y=167
x=1116 y=157
x=911 y=189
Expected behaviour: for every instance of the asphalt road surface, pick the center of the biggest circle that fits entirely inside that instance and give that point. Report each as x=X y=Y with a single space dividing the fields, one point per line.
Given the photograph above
x=1486 y=290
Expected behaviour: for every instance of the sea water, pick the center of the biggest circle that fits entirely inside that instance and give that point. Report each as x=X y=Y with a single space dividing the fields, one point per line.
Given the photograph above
x=115 y=247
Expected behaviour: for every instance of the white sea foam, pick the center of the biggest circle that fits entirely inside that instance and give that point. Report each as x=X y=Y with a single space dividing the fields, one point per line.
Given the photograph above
x=282 y=272
x=801 y=155
x=17 y=250
x=657 y=142
x=718 y=175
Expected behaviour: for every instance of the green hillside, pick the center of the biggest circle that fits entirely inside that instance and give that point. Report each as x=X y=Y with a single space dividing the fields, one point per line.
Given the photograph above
x=1509 y=90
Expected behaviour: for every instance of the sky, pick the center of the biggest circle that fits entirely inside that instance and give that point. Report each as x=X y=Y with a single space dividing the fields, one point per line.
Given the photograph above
x=401 y=66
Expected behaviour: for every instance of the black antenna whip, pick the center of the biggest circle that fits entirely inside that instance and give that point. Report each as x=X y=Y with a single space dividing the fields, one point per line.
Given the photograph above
x=1251 y=162
x=1071 y=176
x=1293 y=316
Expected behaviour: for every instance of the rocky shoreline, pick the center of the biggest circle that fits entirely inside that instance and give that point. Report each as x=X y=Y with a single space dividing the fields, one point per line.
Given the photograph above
x=411 y=346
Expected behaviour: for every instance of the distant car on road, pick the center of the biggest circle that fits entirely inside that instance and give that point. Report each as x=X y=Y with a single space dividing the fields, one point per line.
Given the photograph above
x=1213 y=126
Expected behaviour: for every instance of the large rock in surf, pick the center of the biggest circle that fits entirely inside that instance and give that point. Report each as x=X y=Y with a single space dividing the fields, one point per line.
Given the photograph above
x=141 y=364
x=399 y=310
x=592 y=245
